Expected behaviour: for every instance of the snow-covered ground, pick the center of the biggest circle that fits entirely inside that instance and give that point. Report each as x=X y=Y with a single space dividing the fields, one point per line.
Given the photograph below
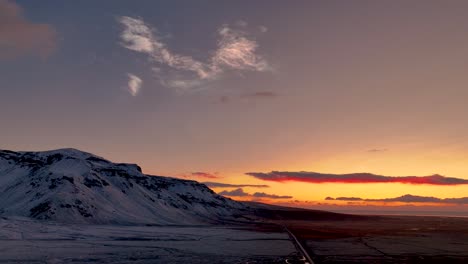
x=72 y=186
x=23 y=240
x=69 y=206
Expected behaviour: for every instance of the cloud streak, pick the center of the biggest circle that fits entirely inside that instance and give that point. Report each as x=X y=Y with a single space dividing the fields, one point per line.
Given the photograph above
x=377 y=150
x=134 y=84
x=227 y=185
x=239 y=192
x=261 y=94
x=254 y=95
x=235 y=51
x=18 y=36
x=205 y=175
x=270 y=196
x=314 y=177
x=408 y=198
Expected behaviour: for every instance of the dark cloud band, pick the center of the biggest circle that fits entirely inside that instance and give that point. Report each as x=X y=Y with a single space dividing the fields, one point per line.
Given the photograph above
x=408 y=198
x=241 y=193
x=205 y=175
x=314 y=177
x=227 y=185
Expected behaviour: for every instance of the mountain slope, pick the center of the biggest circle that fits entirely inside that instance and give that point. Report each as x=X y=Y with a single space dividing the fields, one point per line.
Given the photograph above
x=69 y=185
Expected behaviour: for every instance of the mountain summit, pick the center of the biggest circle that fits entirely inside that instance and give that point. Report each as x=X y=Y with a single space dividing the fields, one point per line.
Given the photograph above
x=69 y=185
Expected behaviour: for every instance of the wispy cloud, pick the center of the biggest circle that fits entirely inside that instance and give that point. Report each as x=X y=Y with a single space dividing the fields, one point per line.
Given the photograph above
x=200 y=174
x=253 y=95
x=263 y=29
x=227 y=185
x=18 y=36
x=408 y=198
x=260 y=94
x=314 y=177
x=139 y=37
x=242 y=23
x=377 y=150
x=241 y=193
x=134 y=84
x=235 y=51
x=205 y=175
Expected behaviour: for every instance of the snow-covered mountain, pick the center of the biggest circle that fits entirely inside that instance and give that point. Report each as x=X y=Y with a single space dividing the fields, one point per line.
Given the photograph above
x=68 y=185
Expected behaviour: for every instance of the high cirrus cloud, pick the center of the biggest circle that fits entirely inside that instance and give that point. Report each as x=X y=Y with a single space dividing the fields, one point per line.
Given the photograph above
x=19 y=36
x=314 y=177
x=239 y=192
x=139 y=37
x=235 y=51
x=408 y=198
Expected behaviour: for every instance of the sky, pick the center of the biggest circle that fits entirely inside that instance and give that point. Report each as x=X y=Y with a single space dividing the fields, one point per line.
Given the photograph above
x=305 y=103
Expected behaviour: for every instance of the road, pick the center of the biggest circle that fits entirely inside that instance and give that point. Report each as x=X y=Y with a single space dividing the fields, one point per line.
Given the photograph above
x=300 y=248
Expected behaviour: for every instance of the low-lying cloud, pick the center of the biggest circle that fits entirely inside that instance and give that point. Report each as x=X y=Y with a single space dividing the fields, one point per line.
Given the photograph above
x=270 y=196
x=19 y=36
x=235 y=193
x=227 y=185
x=239 y=192
x=314 y=177
x=408 y=198
x=235 y=51
x=205 y=175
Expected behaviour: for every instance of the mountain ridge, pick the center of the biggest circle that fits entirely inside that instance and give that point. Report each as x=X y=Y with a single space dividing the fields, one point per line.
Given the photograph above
x=69 y=185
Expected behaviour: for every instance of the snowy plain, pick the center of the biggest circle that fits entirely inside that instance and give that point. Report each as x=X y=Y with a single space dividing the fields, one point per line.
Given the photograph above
x=24 y=240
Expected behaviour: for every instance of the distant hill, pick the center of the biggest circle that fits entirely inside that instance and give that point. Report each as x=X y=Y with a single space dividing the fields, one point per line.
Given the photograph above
x=68 y=185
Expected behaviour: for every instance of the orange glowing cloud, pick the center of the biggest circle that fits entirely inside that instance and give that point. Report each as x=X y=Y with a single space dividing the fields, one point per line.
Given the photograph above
x=200 y=175
x=205 y=175
x=314 y=177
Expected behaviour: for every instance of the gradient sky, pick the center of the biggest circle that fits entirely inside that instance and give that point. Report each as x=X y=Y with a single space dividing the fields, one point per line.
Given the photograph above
x=211 y=90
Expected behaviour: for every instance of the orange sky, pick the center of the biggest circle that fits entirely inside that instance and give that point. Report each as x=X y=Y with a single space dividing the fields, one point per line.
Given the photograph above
x=327 y=86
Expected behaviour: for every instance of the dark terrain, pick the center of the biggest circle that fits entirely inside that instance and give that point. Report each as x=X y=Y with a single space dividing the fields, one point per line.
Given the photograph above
x=343 y=238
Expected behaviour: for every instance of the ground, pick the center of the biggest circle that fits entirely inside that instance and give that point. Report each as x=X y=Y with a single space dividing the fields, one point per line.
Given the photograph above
x=328 y=238
x=389 y=239
x=27 y=241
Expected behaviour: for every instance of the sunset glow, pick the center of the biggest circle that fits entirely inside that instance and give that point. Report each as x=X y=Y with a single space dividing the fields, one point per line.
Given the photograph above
x=365 y=100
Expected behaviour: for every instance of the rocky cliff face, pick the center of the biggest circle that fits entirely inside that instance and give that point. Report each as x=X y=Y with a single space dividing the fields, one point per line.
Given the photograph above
x=69 y=185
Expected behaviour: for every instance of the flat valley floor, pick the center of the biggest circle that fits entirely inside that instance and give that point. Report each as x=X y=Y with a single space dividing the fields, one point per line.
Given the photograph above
x=384 y=239
x=328 y=238
x=27 y=241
